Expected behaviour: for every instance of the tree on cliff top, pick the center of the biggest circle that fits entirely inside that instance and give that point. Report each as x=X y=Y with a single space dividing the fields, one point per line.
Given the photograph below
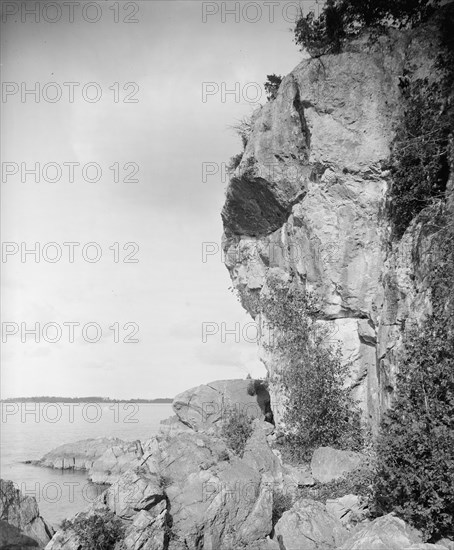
x=343 y=19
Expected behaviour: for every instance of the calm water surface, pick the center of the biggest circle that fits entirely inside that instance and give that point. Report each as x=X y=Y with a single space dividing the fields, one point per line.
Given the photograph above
x=29 y=430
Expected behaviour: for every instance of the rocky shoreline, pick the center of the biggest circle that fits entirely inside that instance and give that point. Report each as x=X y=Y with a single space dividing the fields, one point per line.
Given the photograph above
x=185 y=489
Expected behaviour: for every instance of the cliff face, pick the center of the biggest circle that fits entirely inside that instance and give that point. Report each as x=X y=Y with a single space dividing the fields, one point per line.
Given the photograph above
x=21 y=526
x=307 y=204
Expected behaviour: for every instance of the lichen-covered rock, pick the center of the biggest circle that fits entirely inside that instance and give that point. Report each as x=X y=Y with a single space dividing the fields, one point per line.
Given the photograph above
x=209 y=404
x=309 y=526
x=20 y=522
x=328 y=464
x=384 y=533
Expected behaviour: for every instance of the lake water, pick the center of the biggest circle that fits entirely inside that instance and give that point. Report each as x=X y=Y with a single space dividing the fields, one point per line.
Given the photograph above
x=30 y=430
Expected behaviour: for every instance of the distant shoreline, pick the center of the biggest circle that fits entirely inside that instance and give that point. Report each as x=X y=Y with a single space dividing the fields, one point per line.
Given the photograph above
x=47 y=399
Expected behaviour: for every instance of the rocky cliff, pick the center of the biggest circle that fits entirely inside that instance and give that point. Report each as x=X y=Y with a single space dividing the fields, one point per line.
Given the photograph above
x=308 y=204
x=21 y=525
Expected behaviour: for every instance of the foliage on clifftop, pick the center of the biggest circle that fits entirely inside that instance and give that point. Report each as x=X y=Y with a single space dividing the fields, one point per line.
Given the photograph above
x=340 y=20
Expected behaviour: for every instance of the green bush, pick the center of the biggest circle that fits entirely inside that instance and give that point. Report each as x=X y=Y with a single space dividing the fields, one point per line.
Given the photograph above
x=281 y=503
x=273 y=81
x=359 y=482
x=419 y=159
x=236 y=429
x=243 y=128
x=343 y=19
x=420 y=153
x=320 y=410
x=96 y=531
x=234 y=162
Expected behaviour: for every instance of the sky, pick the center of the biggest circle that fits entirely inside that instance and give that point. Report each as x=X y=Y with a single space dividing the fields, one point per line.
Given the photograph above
x=120 y=152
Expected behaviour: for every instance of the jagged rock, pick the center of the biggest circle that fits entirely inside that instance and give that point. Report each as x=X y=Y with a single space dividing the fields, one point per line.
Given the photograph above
x=148 y=531
x=20 y=521
x=63 y=541
x=185 y=463
x=134 y=491
x=115 y=460
x=328 y=464
x=309 y=526
x=241 y=510
x=384 y=533
x=259 y=456
x=209 y=404
x=345 y=508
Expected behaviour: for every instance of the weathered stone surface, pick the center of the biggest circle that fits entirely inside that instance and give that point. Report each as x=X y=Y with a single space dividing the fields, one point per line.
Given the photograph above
x=115 y=461
x=298 y=476
x=186 y=463
x=173 y=426
x=148 y=531
x=328 y=464
x=426 y=546
x=241 y=510
x=134 y=491
x=345 y=508
x=385 y=533
x=259 y=456
x=308 y=201
x=79 y=455
x=308 y=526
x=105 y=458
x=20 y=521
x=208 y=404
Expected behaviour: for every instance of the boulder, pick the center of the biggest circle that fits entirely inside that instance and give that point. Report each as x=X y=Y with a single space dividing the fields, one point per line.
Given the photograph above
x=79 y=455
x=297 y=476
x=384 y=533
x=328 y=464
x=309 y=526
x=346 y=508
x=208 y=405
x=20 y=520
